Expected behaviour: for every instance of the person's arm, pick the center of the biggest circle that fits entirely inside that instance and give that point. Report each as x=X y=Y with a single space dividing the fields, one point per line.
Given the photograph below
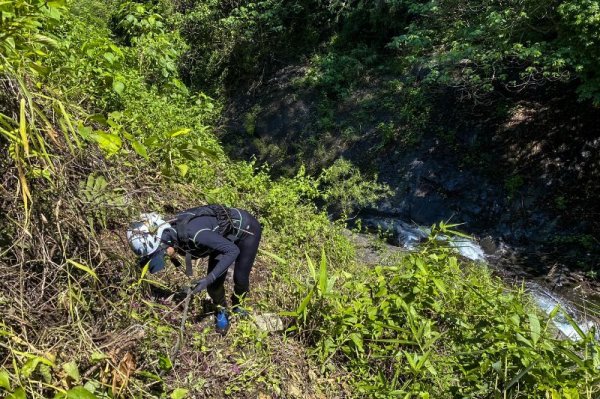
x=227 y=250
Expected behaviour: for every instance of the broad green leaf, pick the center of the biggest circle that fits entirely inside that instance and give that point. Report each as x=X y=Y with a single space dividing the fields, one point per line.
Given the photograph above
x=139 y=148
x=440 y=285
x=30 y=366
x=56 y=3
x=110 y=143
x=164 y=362
x=534 y=326
x=46 y=373
x=554 y=312
x=46 y=39
x=42 y=70
x=178 y=132
x=574 y=324
x=210 y=153
x=516 y=320
x=458 y=233
x=524 y=340
x=110 y=57
x=99 y=118
x=4 y=380
x=149 y=375
x=497 y=366
x=179 y=393
x=573 y=356
x=423 y=359
x=412 y=359
x=118 y=86
x=144 y=272
x=421 y=265
x=72 y=370
x=288 y=313
x=84 y=131
x=330 y=284
x=183 y=169
x=98 y=356
x=198 y=148
x=305 y=302
x=358 y=341
x=92 y=386
x=83 y=267
x=23 y=128
x=79 y=393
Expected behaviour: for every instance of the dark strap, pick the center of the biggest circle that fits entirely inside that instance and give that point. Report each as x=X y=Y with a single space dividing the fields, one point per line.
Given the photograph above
x=182 y=233
x=221 y=213
x=188 y=264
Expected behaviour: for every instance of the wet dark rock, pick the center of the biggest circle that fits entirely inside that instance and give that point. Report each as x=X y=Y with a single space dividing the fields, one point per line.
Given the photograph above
x=489 y=246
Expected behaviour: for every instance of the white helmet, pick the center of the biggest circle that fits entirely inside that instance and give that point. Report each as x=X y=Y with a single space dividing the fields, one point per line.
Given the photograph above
x=144 y=236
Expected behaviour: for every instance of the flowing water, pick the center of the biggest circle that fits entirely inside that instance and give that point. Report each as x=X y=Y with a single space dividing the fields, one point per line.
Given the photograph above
x=584 y=313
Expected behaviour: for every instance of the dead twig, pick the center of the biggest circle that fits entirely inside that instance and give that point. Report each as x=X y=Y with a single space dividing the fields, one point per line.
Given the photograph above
x=179 y=342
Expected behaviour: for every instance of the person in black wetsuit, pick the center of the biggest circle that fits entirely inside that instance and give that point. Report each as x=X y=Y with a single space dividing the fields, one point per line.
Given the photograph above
x=225 y=235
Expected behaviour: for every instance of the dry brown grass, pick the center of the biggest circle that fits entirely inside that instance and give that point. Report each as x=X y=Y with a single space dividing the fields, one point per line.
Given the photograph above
x=71 y=292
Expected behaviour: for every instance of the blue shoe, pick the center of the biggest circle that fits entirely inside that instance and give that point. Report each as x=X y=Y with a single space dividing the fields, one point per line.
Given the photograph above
x=221 y=321
x=240 y=312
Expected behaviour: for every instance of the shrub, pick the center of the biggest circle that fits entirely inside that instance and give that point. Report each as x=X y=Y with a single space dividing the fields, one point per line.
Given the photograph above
x=433 y=325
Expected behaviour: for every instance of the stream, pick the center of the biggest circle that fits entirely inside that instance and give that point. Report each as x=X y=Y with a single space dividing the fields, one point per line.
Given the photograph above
x=560 y=290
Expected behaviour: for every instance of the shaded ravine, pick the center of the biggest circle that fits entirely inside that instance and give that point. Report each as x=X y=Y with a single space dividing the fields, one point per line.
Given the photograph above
x=580 y=304
x=524 y=171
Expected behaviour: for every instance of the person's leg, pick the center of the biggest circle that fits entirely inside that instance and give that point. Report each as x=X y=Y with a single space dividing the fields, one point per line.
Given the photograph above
x=216 y=290
x=248 y=246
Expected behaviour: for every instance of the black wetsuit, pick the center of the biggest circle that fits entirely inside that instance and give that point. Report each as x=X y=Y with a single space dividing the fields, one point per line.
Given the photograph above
x=240 y=245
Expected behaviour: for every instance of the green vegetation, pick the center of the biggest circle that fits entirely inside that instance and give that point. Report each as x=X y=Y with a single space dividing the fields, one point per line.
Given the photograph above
x=478 y=46
x=96 y=125
x=426 y=326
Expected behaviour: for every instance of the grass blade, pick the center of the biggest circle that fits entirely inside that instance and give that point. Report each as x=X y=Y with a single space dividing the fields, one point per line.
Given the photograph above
x=23 y=128
x=83 y=267
x=323 y=273
x=311 y=268
x=518 y=377
x=273 y=256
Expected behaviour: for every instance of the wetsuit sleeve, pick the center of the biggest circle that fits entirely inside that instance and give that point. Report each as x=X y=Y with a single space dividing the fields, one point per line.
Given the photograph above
x=226 y=249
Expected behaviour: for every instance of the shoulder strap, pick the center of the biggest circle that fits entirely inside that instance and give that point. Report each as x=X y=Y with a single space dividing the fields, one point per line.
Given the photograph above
x=224 y=220
x=186 y=216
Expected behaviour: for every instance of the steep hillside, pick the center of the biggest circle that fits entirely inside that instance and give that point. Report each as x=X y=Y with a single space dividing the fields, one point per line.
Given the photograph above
x=97 y=125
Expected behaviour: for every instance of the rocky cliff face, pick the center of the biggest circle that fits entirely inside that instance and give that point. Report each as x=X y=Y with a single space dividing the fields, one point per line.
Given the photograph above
x=524 y=169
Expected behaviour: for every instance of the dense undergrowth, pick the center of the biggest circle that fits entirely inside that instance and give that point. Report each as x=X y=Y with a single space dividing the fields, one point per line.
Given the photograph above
x=96 y=126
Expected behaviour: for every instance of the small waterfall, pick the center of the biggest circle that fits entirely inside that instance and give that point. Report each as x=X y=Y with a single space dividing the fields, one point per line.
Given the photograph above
x=467 y=248
x=548 y=301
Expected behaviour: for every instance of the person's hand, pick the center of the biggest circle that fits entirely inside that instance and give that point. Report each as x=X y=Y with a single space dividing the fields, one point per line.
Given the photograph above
x=199 y=286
